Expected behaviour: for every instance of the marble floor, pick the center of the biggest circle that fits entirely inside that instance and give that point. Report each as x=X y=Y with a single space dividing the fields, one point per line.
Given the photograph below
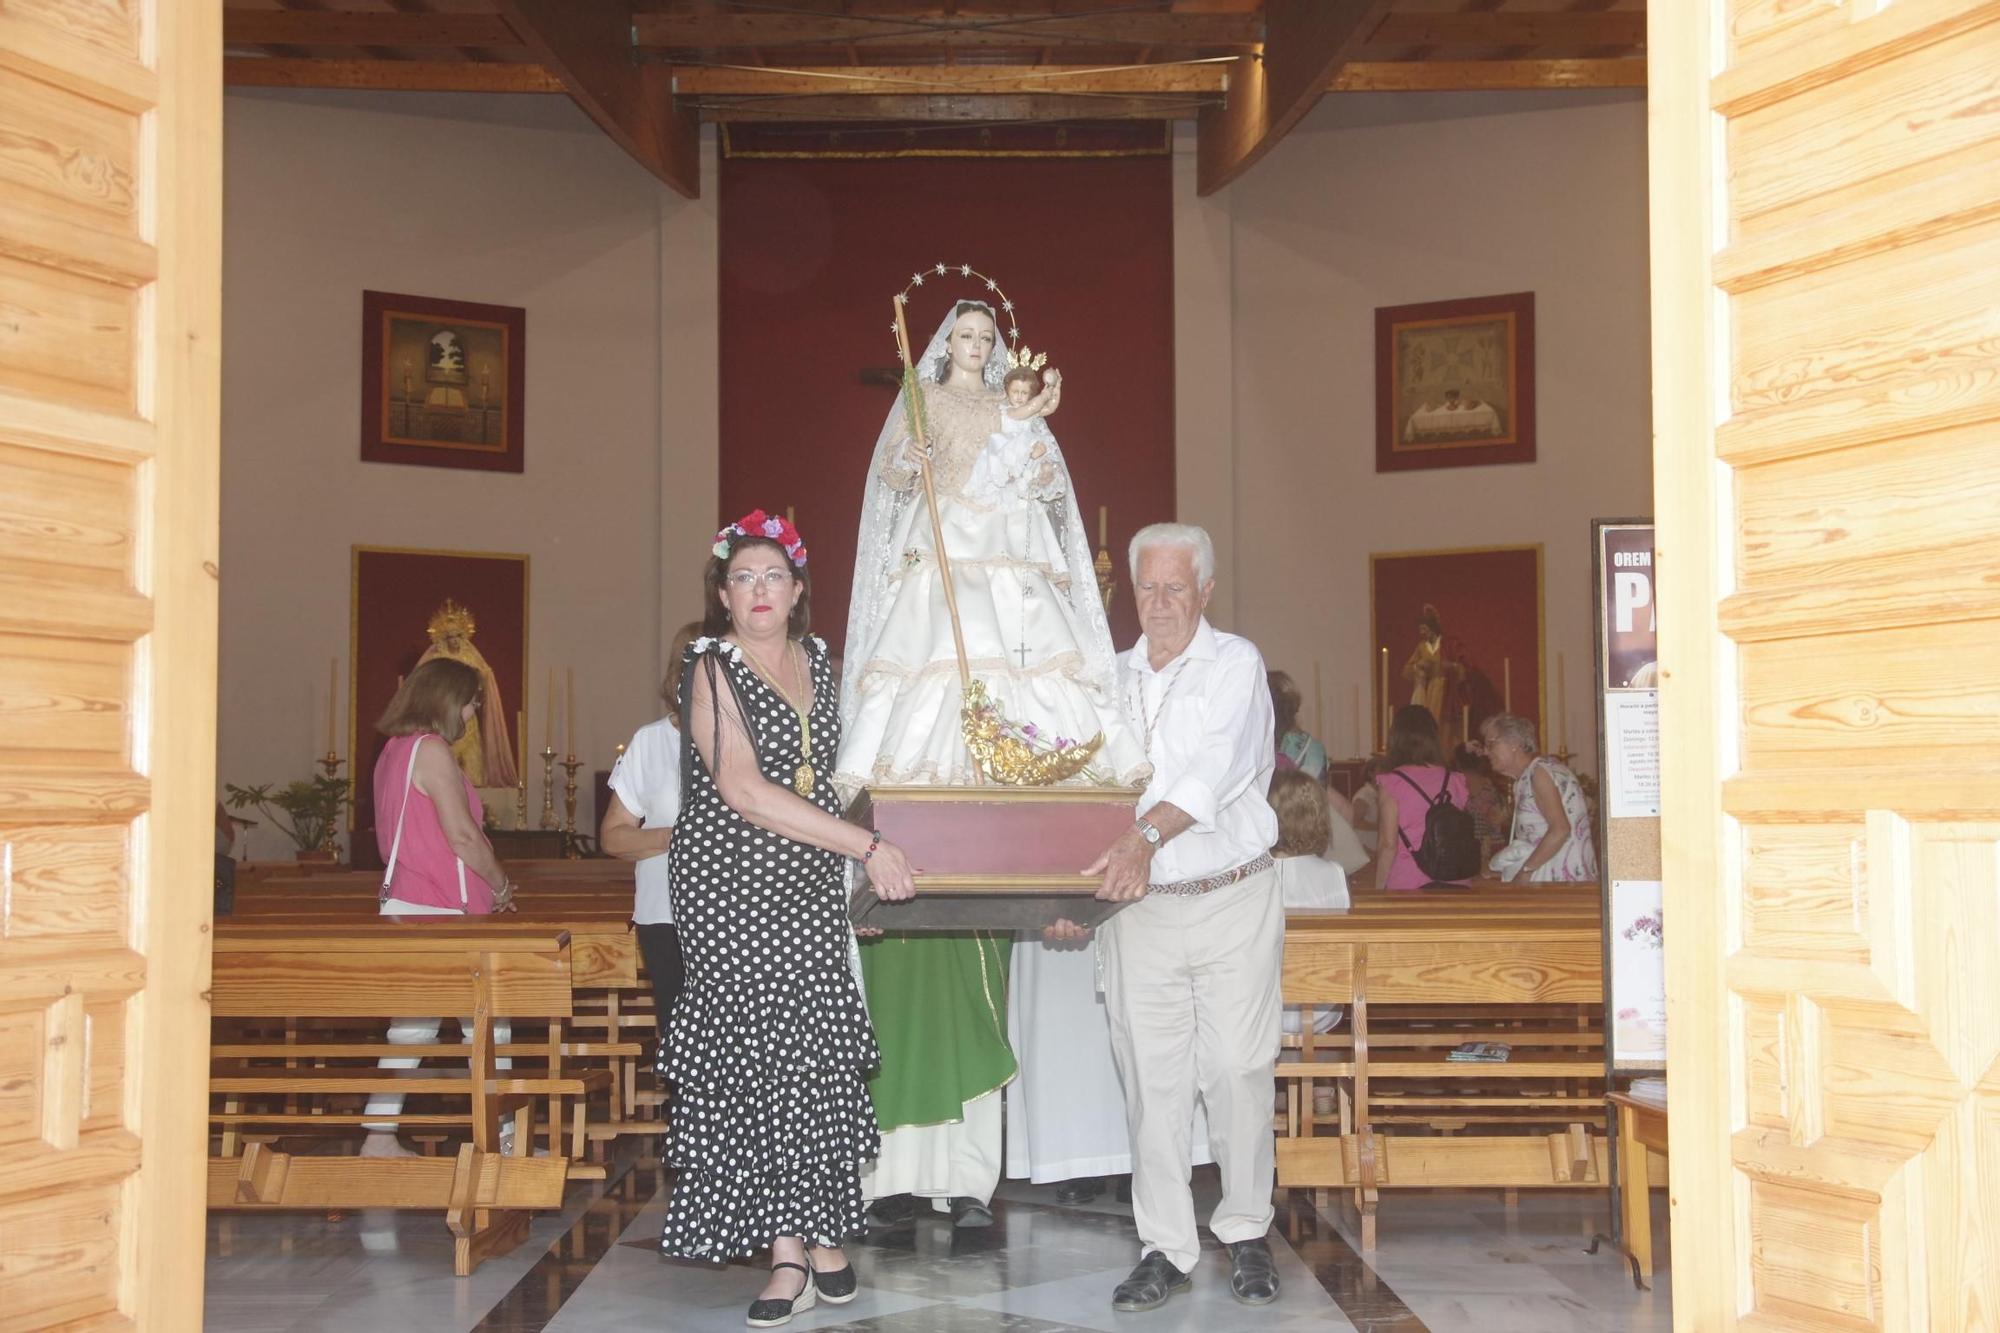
x=1448 y=1262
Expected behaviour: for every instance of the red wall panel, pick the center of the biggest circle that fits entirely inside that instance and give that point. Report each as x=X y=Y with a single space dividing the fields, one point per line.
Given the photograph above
x=812 y=252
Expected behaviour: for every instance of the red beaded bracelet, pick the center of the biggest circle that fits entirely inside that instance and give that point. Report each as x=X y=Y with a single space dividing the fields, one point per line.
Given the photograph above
x=874 y=843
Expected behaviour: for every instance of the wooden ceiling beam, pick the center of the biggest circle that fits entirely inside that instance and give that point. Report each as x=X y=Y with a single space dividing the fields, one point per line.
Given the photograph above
x=460 y=76
x=947 y=108
x=306 y=29
x=1465 y=76
x=1306 y=43
x=589 y=47
x=716 y=30
x=402 y=76
x=936 y=80
x=1565 y=30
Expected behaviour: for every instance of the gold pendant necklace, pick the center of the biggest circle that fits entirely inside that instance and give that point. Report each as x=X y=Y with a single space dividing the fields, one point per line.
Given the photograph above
x=803 y=777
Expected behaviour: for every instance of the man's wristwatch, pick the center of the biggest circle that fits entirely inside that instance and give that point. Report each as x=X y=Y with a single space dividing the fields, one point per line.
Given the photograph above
x=1148 y=832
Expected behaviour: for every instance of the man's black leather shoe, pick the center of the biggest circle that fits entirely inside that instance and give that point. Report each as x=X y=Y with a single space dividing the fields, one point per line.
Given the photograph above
x=1081 y=1190
x=1253 y=1277
x=892 y=1210
x=1150 y=1284
x=967 y=1211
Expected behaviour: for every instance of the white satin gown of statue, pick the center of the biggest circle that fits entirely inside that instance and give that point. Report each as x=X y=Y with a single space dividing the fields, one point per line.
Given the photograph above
x=1043 y=658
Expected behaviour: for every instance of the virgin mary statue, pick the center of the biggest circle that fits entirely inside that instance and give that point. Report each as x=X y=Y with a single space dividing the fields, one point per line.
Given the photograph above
x=1035 y=637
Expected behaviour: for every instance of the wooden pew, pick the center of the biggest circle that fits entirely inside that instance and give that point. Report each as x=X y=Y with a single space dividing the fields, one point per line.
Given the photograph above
x=378 y=973
x=1420 y=973
x=613 y=1022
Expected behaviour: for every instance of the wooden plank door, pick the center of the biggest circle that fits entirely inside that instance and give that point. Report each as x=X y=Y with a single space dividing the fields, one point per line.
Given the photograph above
x=1826 y=304
x=110 y=286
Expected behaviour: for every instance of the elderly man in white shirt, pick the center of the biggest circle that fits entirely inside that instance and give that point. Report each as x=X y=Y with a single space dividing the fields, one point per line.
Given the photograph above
x=1192 y=965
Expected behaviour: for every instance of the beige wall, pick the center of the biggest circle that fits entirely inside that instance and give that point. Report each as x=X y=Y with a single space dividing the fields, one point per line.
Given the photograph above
x=1374 y=200
x=516 y=201
x=1386 y=200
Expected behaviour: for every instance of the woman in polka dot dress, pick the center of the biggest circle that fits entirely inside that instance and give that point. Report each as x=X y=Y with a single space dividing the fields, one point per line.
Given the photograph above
x=769 y=1042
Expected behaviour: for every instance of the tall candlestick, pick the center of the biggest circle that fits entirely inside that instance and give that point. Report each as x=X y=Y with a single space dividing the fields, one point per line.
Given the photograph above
x=1383 y=741
x=569 y=710
x=1319 y=708
x=1562 y=705
x=521 y=771
x=1354 y=721
x=1103 y=526
x=332 y=684
x=1507 y=684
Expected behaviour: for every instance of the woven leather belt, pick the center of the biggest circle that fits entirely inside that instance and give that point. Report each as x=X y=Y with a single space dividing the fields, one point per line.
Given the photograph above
x=1188 y=888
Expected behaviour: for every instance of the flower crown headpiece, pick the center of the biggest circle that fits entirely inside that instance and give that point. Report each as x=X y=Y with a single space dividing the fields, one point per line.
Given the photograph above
x=757 y=523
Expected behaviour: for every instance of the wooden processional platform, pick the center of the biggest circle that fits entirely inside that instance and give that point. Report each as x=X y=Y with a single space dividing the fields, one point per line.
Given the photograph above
x=994 y=858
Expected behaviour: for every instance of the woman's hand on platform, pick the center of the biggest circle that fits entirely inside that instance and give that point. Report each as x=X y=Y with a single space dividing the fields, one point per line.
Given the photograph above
x=889 y=873
x=1064 y=931
x=867 y=932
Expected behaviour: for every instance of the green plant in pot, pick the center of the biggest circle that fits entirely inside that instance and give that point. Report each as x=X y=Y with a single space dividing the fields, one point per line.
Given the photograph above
x=303 y=811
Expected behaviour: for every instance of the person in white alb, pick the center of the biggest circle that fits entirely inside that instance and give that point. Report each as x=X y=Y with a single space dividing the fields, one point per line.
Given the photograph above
x=638 y=826
x=1192 y=965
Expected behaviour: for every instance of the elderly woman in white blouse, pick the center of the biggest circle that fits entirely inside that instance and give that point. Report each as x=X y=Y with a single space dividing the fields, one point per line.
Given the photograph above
x=1551 y=835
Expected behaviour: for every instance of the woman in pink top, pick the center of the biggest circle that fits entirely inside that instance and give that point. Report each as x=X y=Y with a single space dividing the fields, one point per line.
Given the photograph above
x=1413 y=773
x=427 y=825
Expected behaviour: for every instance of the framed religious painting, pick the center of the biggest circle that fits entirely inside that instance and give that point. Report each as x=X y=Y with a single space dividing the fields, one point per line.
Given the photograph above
x=1455 y=383
x=1460 y=633
x=441 y=382
x=409 y=606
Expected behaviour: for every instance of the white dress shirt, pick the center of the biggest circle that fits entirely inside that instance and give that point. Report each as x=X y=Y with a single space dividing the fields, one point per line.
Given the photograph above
x=647 y=781
x=1205 y=719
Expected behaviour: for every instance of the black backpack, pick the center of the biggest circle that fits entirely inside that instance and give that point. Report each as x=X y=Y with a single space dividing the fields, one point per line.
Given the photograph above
x=1450 y=849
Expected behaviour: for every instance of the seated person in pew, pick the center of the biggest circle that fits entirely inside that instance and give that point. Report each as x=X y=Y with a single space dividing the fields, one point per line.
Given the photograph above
x=1307 y=879
x=437 y=861
x=1550 y=839
x=1365 y=809
x=638 y=826
x=1344 y=846
x=1414 y=780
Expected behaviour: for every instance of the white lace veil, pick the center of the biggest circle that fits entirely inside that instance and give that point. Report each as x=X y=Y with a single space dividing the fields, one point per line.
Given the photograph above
x=882 y=510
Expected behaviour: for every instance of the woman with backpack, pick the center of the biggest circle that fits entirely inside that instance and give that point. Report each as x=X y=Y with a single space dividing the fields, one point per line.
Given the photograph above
x=1426 y=832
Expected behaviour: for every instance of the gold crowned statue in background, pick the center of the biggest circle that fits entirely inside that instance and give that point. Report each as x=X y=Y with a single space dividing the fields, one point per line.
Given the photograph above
x=1433 y=678
x=486 y=750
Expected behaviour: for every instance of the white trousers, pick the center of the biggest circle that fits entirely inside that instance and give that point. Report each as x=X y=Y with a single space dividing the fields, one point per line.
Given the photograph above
x=941 y=1162
x=419 y=1031
x=1193 y=989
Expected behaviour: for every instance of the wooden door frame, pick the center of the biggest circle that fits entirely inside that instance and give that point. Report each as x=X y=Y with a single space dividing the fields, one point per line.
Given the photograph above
x=1695 y=698
x=165 y=1215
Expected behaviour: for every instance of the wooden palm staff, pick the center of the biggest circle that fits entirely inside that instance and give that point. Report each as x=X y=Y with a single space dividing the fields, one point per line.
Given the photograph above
x=913 y=406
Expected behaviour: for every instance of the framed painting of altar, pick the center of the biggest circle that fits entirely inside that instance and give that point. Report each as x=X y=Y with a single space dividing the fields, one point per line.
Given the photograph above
x=441 y=382
x=1460 y=632
x=1455 y=383
x=408 y=606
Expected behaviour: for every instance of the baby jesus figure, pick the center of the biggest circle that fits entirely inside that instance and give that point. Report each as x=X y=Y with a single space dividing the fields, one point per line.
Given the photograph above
x=1016 y=465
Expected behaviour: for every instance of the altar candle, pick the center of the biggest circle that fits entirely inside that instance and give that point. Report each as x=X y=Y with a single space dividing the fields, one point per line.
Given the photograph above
x=1507 y=684
x=1562 y=705
x=549 y=732
x=1354 y=728
x=521 y=743
x=1384 y=738
x=1319 y=708
x=569 y=710
x=788 y=516
x=1103 y=527
x=1464 y=723
x=332 y=684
